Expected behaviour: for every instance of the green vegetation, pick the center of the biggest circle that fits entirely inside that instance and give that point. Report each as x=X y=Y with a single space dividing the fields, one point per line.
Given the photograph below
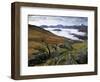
x=45 y=48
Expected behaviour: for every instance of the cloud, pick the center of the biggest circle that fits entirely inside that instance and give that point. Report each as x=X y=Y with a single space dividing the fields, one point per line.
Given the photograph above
x=55 y=20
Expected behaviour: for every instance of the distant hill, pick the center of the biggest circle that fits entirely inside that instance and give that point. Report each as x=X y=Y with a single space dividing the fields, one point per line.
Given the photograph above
x=81 y=28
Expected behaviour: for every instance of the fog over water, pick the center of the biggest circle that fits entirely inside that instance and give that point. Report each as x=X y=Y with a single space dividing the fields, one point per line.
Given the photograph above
x=66 y=33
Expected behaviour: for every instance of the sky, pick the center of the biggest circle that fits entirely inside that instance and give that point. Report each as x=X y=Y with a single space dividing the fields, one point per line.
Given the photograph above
x=56 y=20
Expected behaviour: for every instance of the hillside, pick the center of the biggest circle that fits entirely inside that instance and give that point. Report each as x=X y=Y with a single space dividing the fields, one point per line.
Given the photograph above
x=37 y=35
x=46 y=48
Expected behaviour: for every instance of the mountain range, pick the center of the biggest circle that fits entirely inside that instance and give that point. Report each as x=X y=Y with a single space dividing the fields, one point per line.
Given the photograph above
x=82 y=28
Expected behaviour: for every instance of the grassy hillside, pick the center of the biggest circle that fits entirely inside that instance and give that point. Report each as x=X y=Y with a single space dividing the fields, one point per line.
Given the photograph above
x=37 y=36
x=45 y=48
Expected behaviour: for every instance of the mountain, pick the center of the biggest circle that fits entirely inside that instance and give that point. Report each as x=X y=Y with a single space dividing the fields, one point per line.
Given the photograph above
x=46 y=48
x=81 y=28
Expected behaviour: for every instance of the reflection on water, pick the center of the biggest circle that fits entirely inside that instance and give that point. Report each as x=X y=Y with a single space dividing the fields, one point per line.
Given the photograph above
x=68 y=33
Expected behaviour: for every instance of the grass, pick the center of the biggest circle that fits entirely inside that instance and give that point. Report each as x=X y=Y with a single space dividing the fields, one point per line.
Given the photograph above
x=45 y=48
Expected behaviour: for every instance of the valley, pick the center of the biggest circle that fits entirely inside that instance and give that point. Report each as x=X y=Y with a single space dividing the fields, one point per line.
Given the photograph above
x=51 y=46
